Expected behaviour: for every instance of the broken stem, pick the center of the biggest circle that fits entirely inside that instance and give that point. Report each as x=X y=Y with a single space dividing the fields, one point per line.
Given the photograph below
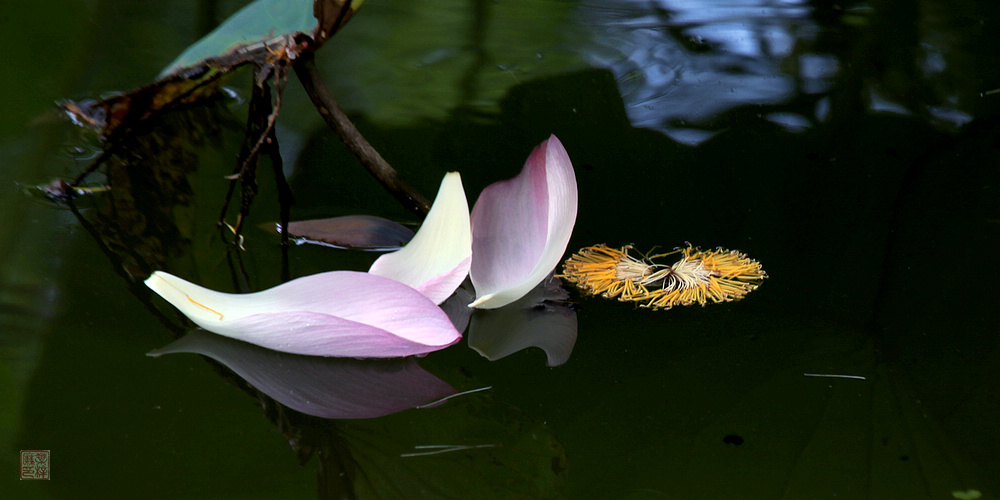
x=308 y=73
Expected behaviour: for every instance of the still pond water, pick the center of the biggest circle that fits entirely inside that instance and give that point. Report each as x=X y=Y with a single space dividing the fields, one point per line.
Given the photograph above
x=851 y=148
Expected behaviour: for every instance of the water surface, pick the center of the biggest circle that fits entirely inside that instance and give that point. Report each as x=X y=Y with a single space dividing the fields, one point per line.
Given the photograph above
x=850 y=148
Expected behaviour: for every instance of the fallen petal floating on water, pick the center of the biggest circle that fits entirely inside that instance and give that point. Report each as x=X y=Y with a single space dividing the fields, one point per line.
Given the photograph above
x=437 y=259
x=339 y=313
x=521 y=226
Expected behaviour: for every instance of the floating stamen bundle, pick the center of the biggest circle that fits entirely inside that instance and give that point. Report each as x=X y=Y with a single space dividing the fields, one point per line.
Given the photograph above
x=698 y=277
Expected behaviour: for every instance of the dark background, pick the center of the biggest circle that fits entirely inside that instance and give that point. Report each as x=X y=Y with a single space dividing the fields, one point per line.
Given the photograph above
x=850 y=148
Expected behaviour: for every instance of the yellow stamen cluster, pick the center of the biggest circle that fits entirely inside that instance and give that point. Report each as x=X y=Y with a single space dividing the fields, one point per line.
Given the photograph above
x=698 y=277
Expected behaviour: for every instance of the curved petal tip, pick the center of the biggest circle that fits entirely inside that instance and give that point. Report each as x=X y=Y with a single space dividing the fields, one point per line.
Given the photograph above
x=437 y=259
x=521 y=227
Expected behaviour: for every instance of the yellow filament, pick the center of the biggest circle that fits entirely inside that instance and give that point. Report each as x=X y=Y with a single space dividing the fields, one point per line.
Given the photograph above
x=698 y=277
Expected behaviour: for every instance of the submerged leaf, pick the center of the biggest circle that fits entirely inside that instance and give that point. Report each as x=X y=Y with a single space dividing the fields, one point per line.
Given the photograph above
x=351 y=231
x=125 y=110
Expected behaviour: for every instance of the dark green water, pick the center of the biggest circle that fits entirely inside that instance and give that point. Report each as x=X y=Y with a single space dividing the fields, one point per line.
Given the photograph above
x=850 y=148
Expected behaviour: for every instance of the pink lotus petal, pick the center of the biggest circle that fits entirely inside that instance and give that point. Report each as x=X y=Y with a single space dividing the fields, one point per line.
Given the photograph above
x=521 y=227
x=340 y=313
x=439 y=288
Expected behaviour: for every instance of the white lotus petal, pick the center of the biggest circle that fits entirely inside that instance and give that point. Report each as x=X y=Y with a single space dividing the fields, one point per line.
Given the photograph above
x=438 y=257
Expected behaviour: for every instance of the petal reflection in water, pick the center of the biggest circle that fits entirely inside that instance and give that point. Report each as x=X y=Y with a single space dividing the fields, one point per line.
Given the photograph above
x=319 y=386
x=457 y=307
x=541 y=319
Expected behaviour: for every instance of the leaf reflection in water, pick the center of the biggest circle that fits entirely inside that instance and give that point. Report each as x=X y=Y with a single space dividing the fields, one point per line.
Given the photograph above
x=321 y=386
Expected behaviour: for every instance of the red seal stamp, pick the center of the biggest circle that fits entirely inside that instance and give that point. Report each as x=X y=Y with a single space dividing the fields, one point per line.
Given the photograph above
x=34 y=464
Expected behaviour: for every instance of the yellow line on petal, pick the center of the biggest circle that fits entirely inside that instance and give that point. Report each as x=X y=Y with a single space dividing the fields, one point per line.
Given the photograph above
x=195 y=302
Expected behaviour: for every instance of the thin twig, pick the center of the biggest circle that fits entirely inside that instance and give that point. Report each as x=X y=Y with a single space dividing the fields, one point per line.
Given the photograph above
x=446 y=398
x=834 y=375
x=285 y=198
x=308 y=73
x=103 y=157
